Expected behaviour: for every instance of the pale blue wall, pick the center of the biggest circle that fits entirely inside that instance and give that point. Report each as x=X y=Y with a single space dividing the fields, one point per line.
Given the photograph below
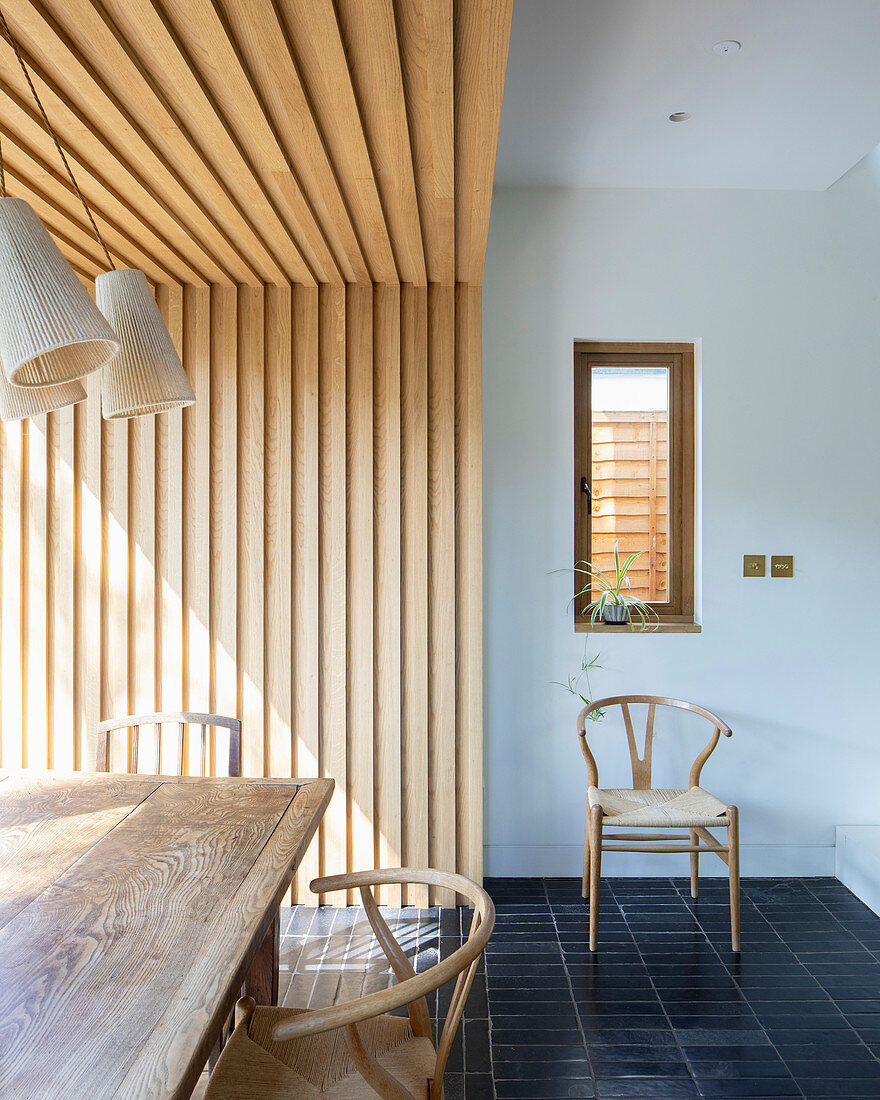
x=783 y=291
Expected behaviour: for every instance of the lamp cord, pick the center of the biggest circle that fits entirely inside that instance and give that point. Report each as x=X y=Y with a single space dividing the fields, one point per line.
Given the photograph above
x=50 y=130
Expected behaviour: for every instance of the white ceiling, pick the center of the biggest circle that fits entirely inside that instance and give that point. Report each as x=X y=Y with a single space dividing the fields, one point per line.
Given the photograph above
x=591 y=83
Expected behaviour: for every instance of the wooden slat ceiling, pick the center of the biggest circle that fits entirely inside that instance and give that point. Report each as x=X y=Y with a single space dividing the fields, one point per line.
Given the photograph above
x=262 y=141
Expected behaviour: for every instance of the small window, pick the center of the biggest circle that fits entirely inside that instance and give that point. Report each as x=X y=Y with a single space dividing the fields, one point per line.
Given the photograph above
x=634 y=470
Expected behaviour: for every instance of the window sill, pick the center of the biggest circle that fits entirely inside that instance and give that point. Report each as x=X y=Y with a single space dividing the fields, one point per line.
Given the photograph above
x=656 y=628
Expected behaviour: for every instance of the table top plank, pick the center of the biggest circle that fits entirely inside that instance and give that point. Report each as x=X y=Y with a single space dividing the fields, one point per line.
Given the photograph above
x=116 y=976
x=199 y=1007
x=44 y=829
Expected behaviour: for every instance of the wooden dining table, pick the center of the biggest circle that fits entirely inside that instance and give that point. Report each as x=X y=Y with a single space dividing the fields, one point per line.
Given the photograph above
x=132 y=911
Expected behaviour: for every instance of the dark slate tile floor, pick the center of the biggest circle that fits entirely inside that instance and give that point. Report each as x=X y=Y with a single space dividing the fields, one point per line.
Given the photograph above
x=665 y=1009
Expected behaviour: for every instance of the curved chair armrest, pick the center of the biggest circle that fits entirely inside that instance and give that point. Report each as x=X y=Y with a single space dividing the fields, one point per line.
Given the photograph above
x=385 y=1000
x=592 y=766
x=402 y=875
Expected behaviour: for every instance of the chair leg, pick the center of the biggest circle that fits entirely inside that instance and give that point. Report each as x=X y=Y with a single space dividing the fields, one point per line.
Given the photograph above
x=585 y=882
x=595 y=873
x=695 y=866
x=733 y=862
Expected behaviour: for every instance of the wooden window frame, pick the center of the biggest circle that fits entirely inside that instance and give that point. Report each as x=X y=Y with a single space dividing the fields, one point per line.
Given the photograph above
x=678 y=612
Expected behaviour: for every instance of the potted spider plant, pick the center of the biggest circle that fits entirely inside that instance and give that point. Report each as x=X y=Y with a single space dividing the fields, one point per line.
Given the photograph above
x=616 y=605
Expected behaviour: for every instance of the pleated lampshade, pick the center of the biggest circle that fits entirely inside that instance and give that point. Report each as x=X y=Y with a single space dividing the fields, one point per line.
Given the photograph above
x=20 y=402
x=50 y=329
x=147 y=375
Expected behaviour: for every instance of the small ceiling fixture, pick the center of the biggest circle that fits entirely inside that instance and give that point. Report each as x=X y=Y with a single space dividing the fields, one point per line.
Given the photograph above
x=679 y=116
x=729 y=45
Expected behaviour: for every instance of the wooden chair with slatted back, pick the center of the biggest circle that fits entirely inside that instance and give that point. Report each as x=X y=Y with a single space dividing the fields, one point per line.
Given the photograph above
x=643 y=807
x=356 y=1050
x=132 y=725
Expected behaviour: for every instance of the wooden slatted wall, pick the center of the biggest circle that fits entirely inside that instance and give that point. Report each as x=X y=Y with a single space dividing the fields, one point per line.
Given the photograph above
x=307 y=184
x=301 y=548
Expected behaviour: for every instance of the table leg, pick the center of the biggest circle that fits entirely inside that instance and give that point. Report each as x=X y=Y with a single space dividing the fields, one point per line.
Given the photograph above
x=261 y=981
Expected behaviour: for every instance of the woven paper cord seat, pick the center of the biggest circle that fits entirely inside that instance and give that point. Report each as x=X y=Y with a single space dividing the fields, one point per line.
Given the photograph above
x=358 y=1050
x=255 y=1067
x=661 y=809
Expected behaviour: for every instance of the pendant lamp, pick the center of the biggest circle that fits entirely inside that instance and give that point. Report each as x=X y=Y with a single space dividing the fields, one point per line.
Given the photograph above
x=50 y=329
x=147 y=375
x=20 y=402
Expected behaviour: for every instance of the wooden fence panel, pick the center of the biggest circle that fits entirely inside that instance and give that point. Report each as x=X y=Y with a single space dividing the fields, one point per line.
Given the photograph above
x=629 y=502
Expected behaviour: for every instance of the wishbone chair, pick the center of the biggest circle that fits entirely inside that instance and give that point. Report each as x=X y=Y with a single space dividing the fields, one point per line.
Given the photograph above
x=356 y=1050
x=644 y=807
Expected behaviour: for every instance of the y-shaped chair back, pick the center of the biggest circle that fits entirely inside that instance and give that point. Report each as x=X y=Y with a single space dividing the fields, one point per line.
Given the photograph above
x=641 y=765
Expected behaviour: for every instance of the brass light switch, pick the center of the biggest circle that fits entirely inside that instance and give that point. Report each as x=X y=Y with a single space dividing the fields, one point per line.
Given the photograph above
x=782 y=565
x=754 y=565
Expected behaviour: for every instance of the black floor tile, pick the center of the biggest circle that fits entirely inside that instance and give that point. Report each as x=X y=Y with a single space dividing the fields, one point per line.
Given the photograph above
x=639 y=1088
x=739 y=1068
x=836 y=1069
x=631 y=1039
x=479 y=1086
x=542 y=1071
x=729 y=1087
x=453 y=1086
x=815 y=1038
x=635 y=1067
x=477 y=1058
x=715 y=1023
x=738 y=1053
x=543 y=1090
x=848 y=1088
x=503 y=1053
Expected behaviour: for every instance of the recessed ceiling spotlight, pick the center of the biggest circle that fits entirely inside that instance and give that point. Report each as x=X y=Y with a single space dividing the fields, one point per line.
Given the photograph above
x=679 y=116
x=730 y=45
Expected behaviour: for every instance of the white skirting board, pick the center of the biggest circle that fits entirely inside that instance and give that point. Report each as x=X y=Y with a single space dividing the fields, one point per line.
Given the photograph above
x=565 y=861
x=857 y=861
